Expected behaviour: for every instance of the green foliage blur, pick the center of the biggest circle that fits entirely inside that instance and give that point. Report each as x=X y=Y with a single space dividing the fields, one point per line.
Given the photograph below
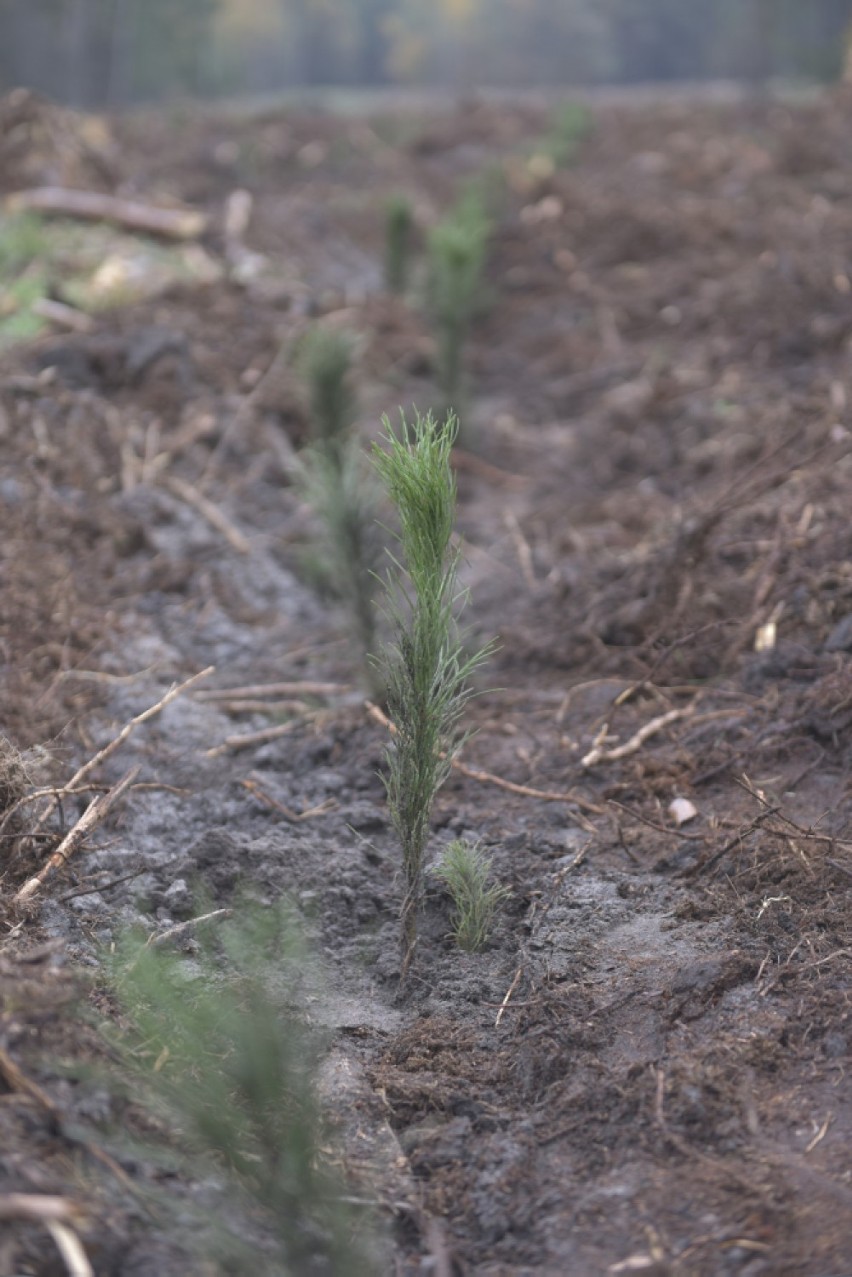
x=339 y=484
x=95 y=52
x=220 y=1048
x=458 y=247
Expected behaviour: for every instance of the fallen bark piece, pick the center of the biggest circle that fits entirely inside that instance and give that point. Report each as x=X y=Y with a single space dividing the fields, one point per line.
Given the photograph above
x=171 y=223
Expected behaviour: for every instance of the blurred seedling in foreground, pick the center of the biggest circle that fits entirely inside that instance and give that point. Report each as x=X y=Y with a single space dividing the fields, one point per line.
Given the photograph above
x=339 y=485
x=22 y=239
x=219 y=1048
x=571 y=125
x=24 y=275
x=465 y=871
x=426 y=669
x=399 y=226
x=458 y=247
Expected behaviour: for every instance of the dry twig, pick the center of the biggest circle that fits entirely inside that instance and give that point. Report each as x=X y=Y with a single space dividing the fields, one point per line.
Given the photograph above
x=205 y=507
x=321 y=809
x=305 y=688
x=232 y=744
x=56 y=1214
x=172 y=223
x=17 y=1081
x=39 y=1207
x=511 y=989
x=599 y=755
x=117 y=741
x=652 y=824
x=522 y=548
x=181 y=929
x=526 y=791
x=96 y=812
x=70 y=1248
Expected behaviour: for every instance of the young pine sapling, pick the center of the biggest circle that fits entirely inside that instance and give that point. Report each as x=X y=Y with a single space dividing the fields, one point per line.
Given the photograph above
x=340 y=486
x=222 y=1049
x=399 y=222
x=465 y=871
x=425 y=667
x=457 y=251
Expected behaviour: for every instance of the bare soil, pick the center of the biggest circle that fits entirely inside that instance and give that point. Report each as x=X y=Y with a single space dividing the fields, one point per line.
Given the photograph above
x=646 y=1070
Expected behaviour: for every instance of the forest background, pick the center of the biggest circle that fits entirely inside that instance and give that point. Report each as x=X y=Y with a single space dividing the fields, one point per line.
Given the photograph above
x=95 y=53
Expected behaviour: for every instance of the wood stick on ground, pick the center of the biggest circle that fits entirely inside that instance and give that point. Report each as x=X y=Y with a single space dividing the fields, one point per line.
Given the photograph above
x=97 y=811
x=529 y=791
x=632 y=746
x=231 y=744
x=160 y=937
x=70 y=1248
x=39 y=1207
x=17 y=1081
x=205 y=507
x=511 y=989
x=489 y=778
x=273 y=689
x=171 y=223
x=172 y=694
x=55 y=1213
x=321 y=809
x=288 y=708
x=709 y=862
x=522 y=548
x=65 y=791
x=652 y=824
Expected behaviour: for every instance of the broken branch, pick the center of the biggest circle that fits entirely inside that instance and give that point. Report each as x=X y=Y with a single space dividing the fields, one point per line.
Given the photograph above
x=205 y=507
x=171 y=223
x=97 y=811
x=632 y=746
x=526 y=791
x=273 y=689
x=174 y=691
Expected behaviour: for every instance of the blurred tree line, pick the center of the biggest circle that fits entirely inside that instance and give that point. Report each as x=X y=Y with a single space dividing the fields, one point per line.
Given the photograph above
x=94 y=52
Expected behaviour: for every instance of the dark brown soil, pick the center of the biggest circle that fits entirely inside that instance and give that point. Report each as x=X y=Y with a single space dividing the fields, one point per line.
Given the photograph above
x=646 y=1070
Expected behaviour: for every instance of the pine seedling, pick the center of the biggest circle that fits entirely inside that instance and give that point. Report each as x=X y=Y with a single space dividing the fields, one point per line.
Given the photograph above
x=326 y=360
x=339 y=485
x=218 y=1047
x=571 y=126
x=465 y=871
x=426 y=668
x=457 y=251
x=399 y=223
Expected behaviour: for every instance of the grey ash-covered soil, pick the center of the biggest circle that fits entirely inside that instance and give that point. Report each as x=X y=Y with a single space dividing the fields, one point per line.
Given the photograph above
x=647 y=1069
